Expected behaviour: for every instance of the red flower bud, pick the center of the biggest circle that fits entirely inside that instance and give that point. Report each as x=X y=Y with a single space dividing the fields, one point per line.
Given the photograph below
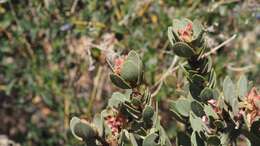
x=186 y=33
x=118 y=64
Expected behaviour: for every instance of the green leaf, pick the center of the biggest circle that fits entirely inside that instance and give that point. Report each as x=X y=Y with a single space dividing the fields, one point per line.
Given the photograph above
x=136 y=101
x=150 y=140
x=235 y=107
x=148 y=113
x=242 y=87
x=147 y=97
x=183 y=50
x=196 y=123
x=116 y=99
x=225 y=139
x=130 y=72
x=171 y=36
x=247 y=141
x=82 y=130
x=132 y=111
x=253 y=138
x=165 y=141
x=195 y=90
x=119 y=82
x=206 y=94
x=183 y=106
x=132 y=139
x=210 y=112
x=255 y=128
x=230 y=94
x=216 y=94
x=196 y=140
x=170 y=81
x=183 y=139
x=124 y=138
x=97 y=121
x=213 y=140
x=175 y=112
x=85 y=131
x=176 y=25
x=229 y=90
x=133 y=56
x=212 y=79
x=197 y=78
x=73 y=122
x=219 y=124
x=197 y=30
x=197 y=109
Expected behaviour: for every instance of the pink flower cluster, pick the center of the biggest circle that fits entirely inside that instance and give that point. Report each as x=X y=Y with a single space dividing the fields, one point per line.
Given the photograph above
x=118 y=64
x=186 y=33
x=115 y=123
x=252 y=105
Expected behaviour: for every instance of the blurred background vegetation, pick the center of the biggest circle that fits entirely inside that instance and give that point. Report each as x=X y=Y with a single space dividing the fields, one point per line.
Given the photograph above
x=52 y=56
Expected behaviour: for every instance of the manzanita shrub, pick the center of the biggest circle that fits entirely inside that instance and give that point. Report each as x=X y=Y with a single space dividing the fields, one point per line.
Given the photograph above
x=130 y=119
x=209 y=117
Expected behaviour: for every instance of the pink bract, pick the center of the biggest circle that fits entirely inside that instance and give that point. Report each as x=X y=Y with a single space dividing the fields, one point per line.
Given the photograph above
x=118 y=64
x=186 y=33
x=253 y=110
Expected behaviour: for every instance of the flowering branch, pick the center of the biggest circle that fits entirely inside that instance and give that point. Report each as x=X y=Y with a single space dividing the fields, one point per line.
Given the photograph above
x=128 y=118
x=210 y=117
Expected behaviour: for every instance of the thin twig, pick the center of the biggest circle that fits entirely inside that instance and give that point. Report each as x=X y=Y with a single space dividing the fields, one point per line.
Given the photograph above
x=109 y=64
x=168 y=71
x=157 y=89
x=66 y=111
x=174 y=61
x=94 y=90
x=74 y=5
x=239 y=69
x=219 y=46
x=101 y=84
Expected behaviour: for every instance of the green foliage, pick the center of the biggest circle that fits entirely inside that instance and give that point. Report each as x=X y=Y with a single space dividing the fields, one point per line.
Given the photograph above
x=52 y=60
x=150 y=140
x=73 y=122
x=206 y=94
x=182 y=106
x=83 y=131
x=229 y=90
x=119 y=81
x=213 y=140
x=197 y=109
x=242 y=87
x=207 y=107
x=183 y=50
x=148 y=113
x=131 y=73
x=127 y=119
x=117 y=99
x=183 y=139
x=196 y=140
